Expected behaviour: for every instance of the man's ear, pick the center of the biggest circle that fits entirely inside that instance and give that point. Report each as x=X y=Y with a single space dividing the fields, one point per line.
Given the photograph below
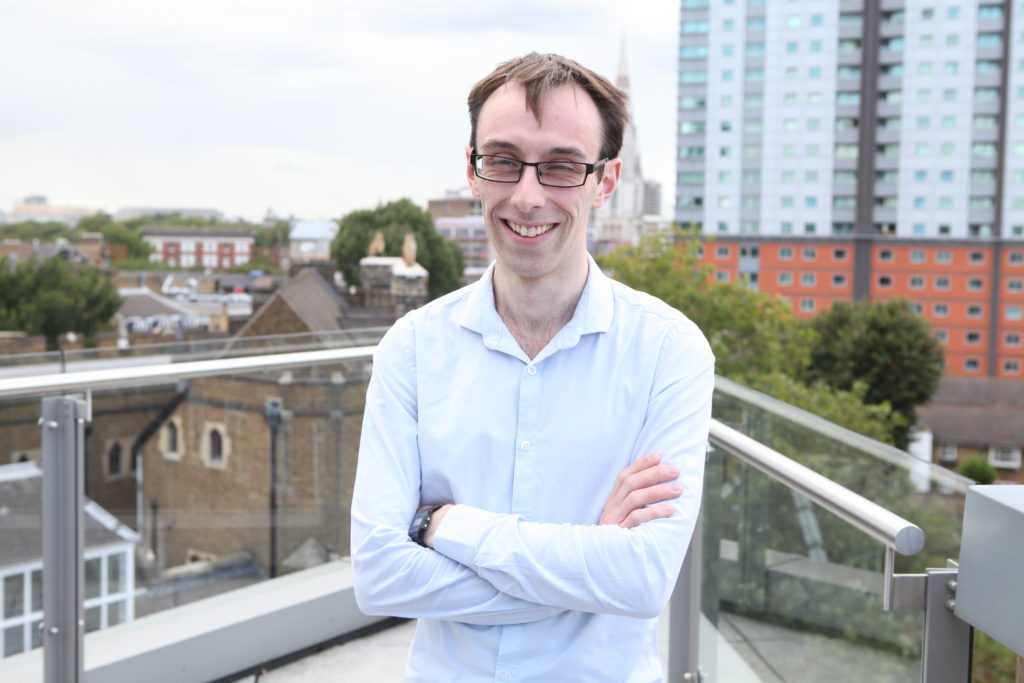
x=470 y=175
x=609 y=181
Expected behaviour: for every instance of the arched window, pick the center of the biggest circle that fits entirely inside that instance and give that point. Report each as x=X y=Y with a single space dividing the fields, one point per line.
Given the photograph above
x=114 y=459
x=216 y=445
x=172 y=437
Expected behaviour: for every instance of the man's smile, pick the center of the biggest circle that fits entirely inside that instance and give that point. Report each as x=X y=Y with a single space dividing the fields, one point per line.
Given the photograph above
x=528 y=230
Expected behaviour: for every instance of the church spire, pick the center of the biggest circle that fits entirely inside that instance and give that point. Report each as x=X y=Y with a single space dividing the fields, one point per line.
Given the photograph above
x=622 y=79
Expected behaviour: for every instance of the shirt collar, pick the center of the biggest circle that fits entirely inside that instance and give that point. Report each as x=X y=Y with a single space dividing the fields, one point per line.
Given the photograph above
x=593 y=312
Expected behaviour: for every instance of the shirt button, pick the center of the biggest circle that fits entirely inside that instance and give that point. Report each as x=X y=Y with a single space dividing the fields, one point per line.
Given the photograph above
x=531 y=370
x=525 y=445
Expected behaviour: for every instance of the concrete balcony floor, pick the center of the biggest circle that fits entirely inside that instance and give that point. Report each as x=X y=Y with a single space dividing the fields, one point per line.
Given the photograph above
x=741 y=650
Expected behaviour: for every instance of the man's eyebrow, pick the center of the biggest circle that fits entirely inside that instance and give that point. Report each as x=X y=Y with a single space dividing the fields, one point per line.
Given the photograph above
x=498 y=145
x=506 y=146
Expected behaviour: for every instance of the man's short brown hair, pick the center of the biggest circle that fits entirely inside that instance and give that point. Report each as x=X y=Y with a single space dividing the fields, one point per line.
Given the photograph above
x=539 y=74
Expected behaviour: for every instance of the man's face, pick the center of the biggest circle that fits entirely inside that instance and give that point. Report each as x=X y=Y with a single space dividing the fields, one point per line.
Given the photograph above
x=539 y=231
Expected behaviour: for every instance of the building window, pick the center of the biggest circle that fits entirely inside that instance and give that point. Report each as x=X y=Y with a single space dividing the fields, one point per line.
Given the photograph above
x=171 y=439
x=917 y=282
x=977 y=257
x=839 y=280
x=785 y=253
x=809 y=254
x=942 y=283
x=808 y=279
x=838 y=254
x=1015 y=286
x=885 y=256
x=884 y=281
x=807 y=305
x=722 y=252
x=940 y=310
x=1012 y=339
x=1016 y=258
x=975 y=284
x=972 y=364
x=785 y=279
x=1014 y=313
x=216 y=445
x=974 y=311
x=947 y=453
x=943 y=256
x=1004 y=457
x=941 y=335
x=972 y=337
x=1011 y=367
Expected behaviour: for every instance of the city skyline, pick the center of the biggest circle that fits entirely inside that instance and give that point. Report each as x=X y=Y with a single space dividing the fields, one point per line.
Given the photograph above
x=312 y=111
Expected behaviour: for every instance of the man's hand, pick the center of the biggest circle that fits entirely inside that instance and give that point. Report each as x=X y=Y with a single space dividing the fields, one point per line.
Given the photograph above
x=636 y=487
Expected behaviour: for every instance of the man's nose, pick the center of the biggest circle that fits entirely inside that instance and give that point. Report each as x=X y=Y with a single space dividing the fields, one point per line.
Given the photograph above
x=529 y=193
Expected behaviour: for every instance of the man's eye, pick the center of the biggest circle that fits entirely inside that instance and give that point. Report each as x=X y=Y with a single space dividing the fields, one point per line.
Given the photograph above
x=562 y=167
x=502 y=162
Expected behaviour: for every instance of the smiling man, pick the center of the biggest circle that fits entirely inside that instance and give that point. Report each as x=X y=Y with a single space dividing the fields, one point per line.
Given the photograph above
x=533 y=445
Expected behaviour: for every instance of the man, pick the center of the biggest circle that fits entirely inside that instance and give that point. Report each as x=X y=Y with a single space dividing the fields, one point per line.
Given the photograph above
x=533 y=445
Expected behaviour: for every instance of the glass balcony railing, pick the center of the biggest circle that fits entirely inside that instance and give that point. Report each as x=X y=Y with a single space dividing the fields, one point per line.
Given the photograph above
x=215 y=469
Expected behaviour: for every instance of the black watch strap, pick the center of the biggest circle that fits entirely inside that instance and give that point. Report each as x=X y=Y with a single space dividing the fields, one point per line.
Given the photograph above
x=420 y=522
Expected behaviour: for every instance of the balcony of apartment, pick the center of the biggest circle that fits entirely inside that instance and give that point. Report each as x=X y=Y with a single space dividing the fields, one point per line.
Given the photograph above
x=230 y=472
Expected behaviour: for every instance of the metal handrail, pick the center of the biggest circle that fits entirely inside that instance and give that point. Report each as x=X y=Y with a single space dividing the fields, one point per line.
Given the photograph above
x=884 y=526
x=117 y=378
x=881 y=524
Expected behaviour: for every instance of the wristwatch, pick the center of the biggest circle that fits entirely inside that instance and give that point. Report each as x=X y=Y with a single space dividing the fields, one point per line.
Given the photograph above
x=420 y=522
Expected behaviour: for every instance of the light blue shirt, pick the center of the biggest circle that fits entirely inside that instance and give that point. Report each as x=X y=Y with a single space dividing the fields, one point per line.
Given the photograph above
x=523 y=584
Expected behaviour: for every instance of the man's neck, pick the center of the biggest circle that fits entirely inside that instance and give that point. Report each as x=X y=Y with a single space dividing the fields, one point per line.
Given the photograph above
x=534 y=310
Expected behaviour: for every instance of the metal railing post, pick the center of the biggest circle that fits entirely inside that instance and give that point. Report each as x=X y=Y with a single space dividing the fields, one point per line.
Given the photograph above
x=684 y=613
x=946 y=656
x=63 y=445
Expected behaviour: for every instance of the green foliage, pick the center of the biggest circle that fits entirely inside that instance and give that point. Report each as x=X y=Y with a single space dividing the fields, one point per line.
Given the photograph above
x=50 y=297
x=441 y=257
x=845 y=408
x=991 y=661
x=750 y=332
x=31 y=230
x=882 y=343
x=979 y=469
x=277 y=235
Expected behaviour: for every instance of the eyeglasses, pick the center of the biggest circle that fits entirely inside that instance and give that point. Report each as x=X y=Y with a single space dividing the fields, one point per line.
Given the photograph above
x=502 y=169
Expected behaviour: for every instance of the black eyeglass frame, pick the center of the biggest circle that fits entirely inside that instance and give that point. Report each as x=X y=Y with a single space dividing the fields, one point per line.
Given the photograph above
x=588 y=169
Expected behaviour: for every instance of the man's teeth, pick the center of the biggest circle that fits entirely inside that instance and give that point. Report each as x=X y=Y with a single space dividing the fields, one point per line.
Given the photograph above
x=529 y=230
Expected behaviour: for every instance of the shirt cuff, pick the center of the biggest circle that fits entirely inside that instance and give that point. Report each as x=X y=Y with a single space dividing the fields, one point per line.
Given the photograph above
x=462 y=531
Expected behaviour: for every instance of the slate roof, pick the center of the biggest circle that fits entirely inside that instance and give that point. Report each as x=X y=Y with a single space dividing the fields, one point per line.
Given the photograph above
x=143 y=302
x=981 y=411
x=21 y=523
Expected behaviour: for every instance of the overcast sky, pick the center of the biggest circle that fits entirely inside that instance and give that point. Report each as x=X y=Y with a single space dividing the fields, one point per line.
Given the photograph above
x=309 y=107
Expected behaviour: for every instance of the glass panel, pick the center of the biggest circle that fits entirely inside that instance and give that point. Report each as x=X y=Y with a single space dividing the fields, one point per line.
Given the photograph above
x=115 y=613
x=115 y=573
x=778 y=568
x=37 y=590
x=93 y=617
x=14 y=640
x=36 y=634
x=14 y=595
x=92 y=577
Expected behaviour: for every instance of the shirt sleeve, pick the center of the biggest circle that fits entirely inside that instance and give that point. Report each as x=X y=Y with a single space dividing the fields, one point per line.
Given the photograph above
x=605 y=568
x=393 y=575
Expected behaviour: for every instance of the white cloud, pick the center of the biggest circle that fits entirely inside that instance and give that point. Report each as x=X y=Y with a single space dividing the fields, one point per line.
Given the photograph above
x=314 y=107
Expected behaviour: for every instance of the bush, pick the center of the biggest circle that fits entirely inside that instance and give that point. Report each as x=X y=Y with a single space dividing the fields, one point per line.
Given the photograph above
x=979 y=469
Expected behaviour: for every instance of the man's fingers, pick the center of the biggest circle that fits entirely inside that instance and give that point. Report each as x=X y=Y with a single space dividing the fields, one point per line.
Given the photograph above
x=638 y=517
x=652 y=494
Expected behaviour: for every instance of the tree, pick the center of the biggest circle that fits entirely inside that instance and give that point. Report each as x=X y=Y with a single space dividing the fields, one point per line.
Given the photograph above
x=117 y=233
x=884 y=344
x=50 y=297
x=441 y=257
x=750 y=332
x=276 y=235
